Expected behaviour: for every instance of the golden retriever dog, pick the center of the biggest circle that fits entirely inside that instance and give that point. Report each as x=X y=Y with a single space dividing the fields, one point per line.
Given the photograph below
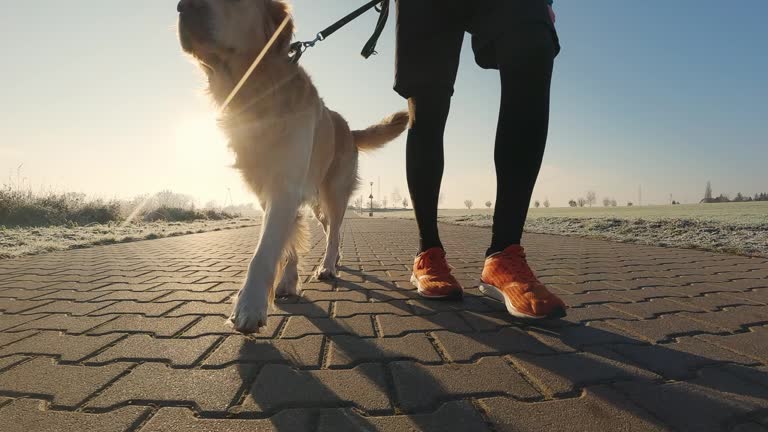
x=291 y=149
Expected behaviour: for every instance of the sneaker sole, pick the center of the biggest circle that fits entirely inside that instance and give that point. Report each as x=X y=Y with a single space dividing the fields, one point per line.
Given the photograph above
x=423 y=294
x=496 y=294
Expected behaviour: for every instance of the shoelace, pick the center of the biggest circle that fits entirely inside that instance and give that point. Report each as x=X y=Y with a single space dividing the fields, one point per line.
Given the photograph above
x=436 y=263
x=514 y=262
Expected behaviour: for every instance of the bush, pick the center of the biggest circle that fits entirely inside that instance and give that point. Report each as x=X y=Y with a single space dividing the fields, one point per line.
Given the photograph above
x=176 y=214
x=23 y=208
x=20 y=208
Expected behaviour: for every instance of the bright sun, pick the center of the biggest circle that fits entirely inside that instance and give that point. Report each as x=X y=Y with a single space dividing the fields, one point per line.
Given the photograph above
x=199 y=142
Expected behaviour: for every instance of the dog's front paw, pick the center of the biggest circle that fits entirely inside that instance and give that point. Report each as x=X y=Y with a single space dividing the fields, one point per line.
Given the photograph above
x=247 y=318
x=326 y=274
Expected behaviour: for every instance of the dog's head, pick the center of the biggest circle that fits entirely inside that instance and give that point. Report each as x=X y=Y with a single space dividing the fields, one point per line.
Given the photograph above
x=227 y=33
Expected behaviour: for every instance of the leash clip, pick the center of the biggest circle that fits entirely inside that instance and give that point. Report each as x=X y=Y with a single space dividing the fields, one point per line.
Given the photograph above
x=297 y=49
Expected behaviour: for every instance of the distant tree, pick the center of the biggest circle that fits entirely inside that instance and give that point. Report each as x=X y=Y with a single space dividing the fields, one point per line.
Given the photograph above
x=629 y=204
x=708 y=193
x=591 y=198
x=546 y=203
x=739 y=198
x=582 y=202
x=468 y=204
x=488 y=204
x=537 y=204
x=606 y=202
x=359 y=203
x=384 y=202
x=405 y=203
x=211 y=205
x=572 y=203
x=614 y=203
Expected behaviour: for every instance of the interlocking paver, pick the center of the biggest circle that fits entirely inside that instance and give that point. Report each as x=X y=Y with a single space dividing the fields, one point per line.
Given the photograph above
x=216 y=325
x=162 y=327
x=208 y=297
x=467 y=347
x=26 y=415
x=210 y=390
x=299 y=326
x=134 y=348
x=665 y=327
x=10 y=322
x=67 y=386
x=565 y=373
x=304 y=352
x=680 y=359
x=689 y=407
x=9 y=338
x=654 y=307
x=66 y=347
x=598 y=409
x=95 y=332
x=349 y=350
x=68 y=307
x=202 y=308
x=394 y=325
x=751 y=343
x=452 y=417
x=64 y=323
x=279 y=386
x=132 y=307
x=184 y=420
x=395 y=307
x=733 y=318
x=421 y=387
x=7 y=362
x=13 y=306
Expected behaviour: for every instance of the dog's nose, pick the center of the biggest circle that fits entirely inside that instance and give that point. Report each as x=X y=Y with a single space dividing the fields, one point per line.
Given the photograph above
x=189 y=6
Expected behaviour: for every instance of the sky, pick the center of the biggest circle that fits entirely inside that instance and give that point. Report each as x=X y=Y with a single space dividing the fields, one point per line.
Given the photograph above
x=652 y=96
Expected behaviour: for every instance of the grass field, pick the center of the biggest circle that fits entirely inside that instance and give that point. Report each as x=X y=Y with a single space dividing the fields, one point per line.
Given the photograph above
x=733 y=213
x=739 y=228
x=16 y=242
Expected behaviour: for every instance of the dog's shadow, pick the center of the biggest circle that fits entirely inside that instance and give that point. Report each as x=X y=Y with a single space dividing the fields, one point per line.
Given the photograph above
x=736 y=395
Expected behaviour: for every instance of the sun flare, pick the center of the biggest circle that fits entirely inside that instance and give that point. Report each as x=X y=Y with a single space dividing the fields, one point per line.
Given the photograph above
x=200 y=142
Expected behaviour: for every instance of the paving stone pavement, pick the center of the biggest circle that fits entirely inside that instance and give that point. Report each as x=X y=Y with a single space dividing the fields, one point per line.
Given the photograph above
x=131 y=337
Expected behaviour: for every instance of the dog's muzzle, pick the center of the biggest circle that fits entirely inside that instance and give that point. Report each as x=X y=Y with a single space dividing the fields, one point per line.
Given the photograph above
x=194 y=20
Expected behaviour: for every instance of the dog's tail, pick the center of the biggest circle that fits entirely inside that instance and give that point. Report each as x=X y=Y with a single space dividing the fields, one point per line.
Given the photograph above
x=377 y=135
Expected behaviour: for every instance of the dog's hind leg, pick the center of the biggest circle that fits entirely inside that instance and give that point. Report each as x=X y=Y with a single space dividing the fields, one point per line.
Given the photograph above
x=289 y=284
x=336 y=204
x=320 y=216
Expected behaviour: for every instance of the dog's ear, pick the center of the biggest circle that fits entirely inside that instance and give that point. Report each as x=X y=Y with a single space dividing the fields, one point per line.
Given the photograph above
x=277 y=10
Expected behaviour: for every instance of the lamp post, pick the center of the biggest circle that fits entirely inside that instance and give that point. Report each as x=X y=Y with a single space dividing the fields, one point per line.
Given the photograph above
x=371 y=197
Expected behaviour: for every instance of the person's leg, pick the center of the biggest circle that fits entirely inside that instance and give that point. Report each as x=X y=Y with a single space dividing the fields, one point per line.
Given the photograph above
x=526 y=75
x=424 y=161
x=430 y=34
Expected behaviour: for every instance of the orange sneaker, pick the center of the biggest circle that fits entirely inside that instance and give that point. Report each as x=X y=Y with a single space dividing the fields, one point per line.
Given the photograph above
x=432 y=276
x=508 y=279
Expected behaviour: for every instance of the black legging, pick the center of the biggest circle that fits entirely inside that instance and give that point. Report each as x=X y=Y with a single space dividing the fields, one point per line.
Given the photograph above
x=521 y=137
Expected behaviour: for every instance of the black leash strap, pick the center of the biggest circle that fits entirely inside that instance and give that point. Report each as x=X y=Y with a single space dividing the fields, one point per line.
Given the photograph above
x=298 y=48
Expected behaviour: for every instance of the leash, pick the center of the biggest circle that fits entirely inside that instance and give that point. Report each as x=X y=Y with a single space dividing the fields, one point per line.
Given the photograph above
x=255 y=63
x=298 y=48
x=381 y=6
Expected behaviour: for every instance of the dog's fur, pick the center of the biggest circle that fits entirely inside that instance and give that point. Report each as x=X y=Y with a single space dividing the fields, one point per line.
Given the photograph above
x=290 y=148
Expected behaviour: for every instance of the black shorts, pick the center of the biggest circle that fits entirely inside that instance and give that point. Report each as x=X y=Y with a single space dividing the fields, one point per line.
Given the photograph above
x=430 y=34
